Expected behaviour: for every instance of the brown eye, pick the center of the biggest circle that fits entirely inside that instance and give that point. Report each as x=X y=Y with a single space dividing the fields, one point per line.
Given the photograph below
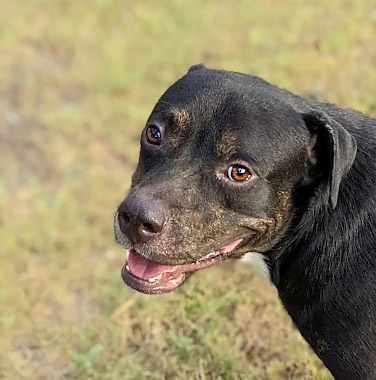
x=238 y=173
x=153 y=135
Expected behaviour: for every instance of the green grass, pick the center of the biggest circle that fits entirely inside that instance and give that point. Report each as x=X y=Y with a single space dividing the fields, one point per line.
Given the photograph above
x=77 y=81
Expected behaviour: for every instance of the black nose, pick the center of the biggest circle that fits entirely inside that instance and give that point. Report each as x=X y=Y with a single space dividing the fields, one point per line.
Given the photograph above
x=141 y=218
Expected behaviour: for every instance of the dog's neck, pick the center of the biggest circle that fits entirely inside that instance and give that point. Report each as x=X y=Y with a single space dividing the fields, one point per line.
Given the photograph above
x=325 y=273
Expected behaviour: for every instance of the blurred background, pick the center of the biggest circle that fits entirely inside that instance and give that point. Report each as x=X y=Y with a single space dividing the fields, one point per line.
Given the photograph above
x=78 y=80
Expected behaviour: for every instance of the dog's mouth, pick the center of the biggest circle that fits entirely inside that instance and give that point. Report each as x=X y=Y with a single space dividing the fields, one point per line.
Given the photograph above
x=149 y=277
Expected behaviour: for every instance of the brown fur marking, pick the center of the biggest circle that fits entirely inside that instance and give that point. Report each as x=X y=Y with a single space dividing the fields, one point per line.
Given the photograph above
x=180 y=118
x=226 y=146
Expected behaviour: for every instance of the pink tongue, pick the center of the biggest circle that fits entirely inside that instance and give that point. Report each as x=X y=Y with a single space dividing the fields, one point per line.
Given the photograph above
x=230 y=246
x=143 y=268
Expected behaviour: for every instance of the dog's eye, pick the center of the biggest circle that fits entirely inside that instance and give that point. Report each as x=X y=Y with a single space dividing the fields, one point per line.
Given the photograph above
x=238 y=173
x=153 y=135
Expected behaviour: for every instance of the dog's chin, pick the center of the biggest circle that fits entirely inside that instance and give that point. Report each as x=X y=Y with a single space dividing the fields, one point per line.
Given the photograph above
x=150 y=277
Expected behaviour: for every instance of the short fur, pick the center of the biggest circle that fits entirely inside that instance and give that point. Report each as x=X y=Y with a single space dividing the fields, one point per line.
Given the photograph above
x=310 y=208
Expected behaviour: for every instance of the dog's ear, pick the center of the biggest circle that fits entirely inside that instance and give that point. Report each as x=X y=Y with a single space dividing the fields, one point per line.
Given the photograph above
x=197 y=67
x=331 y=149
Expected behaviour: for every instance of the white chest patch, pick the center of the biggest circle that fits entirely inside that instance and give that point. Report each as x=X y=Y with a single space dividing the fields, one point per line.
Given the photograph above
x=259 y=261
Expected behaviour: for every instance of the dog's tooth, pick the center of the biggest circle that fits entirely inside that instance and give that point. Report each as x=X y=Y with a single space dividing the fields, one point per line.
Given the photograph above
x=127 y=252
x=127 y=268
x=153 y=279
x=211 y=255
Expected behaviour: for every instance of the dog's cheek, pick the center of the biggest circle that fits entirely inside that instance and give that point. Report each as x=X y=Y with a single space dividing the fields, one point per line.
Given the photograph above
x=256 y=201
x=281 y=216
x=268 y=227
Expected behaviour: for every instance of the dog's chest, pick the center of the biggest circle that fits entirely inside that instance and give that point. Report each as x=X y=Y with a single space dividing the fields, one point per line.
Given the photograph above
x=259 y=261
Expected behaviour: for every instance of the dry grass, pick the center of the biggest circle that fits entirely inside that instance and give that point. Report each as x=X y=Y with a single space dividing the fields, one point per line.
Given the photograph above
x=77 y=82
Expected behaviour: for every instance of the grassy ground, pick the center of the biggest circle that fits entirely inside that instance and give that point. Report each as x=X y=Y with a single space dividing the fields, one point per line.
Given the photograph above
x=77 y=81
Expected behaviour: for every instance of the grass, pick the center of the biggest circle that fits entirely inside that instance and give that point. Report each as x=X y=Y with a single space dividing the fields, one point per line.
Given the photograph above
x=77 y=82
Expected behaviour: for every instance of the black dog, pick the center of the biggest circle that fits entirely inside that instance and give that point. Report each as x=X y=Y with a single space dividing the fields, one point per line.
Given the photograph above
x=230 y=164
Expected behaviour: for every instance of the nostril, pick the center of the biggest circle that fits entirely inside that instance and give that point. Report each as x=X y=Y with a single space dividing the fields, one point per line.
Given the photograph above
x=151 y=228
x=123 y=219
x=148 y=227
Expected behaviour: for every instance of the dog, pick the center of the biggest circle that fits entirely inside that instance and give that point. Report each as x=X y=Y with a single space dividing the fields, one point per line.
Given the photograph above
x=232 y=166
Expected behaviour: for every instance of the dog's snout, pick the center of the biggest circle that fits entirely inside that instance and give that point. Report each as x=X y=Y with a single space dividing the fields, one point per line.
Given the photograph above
x=141 y=218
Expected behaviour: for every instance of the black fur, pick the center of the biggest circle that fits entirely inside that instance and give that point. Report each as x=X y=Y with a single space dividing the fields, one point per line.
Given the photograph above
x=325 y=265
x=316 y=182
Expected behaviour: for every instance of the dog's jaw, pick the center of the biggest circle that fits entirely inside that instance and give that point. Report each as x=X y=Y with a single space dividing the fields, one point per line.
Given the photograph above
x=258 y=260
x=150 y=277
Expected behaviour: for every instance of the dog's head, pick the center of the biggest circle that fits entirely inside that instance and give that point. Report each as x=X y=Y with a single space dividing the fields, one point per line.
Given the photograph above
x=222 y=155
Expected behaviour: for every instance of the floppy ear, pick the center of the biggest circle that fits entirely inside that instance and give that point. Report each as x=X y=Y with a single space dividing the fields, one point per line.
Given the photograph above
x=331 y=148
x=197 y=67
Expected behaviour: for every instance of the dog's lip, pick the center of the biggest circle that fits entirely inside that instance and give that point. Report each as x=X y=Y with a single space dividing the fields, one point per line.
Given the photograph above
x=165 y=278
x=160 y=286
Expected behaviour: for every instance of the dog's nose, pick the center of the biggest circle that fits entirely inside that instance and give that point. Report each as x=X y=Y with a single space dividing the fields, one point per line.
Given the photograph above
x=141 y=218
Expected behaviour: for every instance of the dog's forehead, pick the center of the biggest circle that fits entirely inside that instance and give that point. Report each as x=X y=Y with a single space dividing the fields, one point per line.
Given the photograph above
x=226 y=100
x=237 y=116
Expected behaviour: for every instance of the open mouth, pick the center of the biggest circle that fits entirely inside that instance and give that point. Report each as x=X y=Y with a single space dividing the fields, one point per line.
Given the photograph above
x=149 y=277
